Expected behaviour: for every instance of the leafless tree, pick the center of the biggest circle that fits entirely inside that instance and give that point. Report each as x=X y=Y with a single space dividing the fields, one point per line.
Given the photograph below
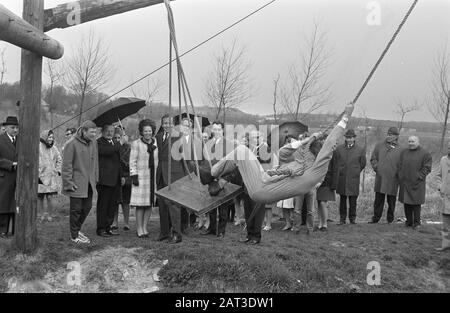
x=229 y=84
x=148 y=93
x=275 y=97
x=55 y=74
x=402 y=110
x=89 y=69
x=440 y=101
x=3 y=68
x=305 y=91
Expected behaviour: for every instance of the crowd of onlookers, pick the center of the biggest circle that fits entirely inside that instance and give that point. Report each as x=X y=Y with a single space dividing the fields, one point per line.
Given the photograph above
x=127 y=174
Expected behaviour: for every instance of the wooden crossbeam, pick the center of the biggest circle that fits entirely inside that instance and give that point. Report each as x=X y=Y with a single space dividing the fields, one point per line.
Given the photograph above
x=19 y=32
x=78 y=12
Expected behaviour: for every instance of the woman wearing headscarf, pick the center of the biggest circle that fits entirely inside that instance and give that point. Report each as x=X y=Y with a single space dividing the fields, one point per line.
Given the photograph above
x=50 y=163
x=143 y=159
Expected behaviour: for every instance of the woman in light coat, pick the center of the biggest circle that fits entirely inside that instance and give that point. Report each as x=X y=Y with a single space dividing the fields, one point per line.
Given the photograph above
x=143 y=162
x=50 y=163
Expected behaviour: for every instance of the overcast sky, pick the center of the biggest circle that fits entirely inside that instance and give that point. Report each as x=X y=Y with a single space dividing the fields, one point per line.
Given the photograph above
x=138 y=43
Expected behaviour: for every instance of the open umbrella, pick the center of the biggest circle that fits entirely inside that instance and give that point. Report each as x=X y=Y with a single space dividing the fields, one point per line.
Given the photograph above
x=204 y=121
x=114 y=111
x=294 y=128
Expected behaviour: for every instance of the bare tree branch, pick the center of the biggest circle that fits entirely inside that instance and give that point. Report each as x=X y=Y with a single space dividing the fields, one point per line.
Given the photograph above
x=275 y=97
x=402 y=110
x=148 y=93
x=305 y=91
x=89 y=69
x=3 y=68
x=229 y=84
x=55 y=73
x=440 y=86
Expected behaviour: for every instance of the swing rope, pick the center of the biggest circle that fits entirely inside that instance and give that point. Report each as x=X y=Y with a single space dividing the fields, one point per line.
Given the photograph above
x=374 y=68
x=183 y=89
x=283 y=171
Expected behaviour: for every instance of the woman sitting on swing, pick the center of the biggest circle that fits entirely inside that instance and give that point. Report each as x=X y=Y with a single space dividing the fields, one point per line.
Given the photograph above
x=288 y=180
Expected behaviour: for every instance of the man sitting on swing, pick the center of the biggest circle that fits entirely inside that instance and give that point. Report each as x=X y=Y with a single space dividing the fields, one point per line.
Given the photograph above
x=286 y=181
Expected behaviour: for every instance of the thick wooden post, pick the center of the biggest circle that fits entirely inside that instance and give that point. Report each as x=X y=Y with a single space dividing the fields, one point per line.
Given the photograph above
x=25 y=238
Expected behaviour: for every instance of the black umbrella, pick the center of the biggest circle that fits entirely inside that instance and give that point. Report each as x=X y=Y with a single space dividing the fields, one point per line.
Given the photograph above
x=204 y=121
x=294 y=128
x=115 y=111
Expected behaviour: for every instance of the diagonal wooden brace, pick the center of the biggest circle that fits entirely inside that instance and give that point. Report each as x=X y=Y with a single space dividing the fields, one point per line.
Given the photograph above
x=18 y=32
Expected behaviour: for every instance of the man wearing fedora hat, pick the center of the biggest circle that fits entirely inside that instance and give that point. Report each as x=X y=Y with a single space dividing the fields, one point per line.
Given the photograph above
x=385 y=159
x=8 y=173
x=351 y=160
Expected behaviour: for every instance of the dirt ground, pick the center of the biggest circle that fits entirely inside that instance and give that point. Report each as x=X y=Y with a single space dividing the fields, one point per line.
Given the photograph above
x=333 y=261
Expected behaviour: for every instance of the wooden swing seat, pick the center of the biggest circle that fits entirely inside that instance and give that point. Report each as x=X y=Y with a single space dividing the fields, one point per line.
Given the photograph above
x=191 y=194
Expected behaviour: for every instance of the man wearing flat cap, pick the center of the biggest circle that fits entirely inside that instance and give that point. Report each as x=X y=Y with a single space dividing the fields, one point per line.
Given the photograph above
x=384 y=161
x=351 y=160
x=8 y=173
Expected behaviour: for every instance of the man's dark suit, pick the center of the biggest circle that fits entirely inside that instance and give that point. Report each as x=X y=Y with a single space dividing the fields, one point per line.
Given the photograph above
x=219 y=150
x=8 y=155
x=109 y=184
x=169 y=214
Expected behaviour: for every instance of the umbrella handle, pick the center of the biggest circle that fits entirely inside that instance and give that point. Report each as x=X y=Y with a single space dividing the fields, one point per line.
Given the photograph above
x=120 y=123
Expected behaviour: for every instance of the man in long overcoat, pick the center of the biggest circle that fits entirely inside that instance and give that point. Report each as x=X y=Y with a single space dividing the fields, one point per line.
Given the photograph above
x=384 y=160
x=351 y=160
x=8 y=175
x=414 y=166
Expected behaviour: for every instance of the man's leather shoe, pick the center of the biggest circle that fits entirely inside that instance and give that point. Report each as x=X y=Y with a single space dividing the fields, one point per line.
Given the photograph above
x=341 y=223
x=175 y=239
x=207 y=232
x=3 y=235
x=220 y=235
x=244 y=240
x=112 y=233
x=104 y=234
x=254 y=242
x=372 y=222
x=161 y=238
x=352 y=222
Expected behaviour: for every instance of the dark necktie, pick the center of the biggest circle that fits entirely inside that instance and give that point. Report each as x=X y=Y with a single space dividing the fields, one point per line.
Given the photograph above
x=14 y=141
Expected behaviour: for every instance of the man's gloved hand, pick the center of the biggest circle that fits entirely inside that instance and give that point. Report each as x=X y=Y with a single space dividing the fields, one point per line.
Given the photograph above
x=214 y=188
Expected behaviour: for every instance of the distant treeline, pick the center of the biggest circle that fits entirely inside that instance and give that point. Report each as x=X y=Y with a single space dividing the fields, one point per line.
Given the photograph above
x=64 y=103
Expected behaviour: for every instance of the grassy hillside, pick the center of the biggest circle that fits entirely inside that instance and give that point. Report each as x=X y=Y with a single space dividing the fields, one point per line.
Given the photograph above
x=333 y=261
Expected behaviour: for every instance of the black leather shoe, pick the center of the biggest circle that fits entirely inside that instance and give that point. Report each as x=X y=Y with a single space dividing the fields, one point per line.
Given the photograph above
x=175 y=239
x=372 y=222
x=207 y=232
x=244 y=240
x=161 y=238
x=341 y=223
x=113 y=233
x=220 y=235
x=352 y=222
x=104 y=234
x=254 y=242
x=4 y=235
